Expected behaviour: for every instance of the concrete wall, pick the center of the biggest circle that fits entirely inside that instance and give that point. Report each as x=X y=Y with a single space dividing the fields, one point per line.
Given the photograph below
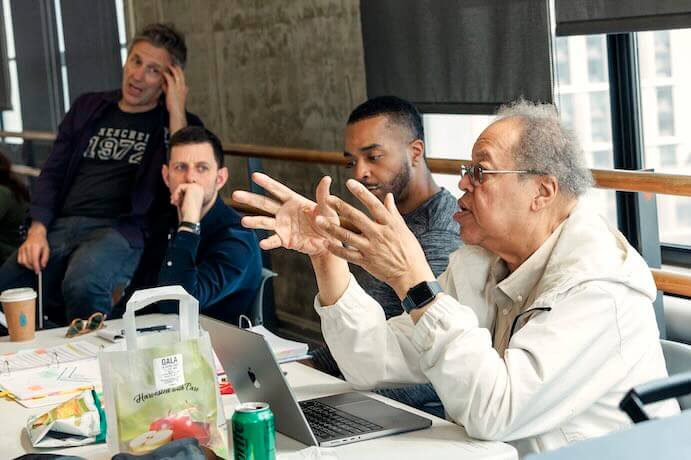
x=272 y=72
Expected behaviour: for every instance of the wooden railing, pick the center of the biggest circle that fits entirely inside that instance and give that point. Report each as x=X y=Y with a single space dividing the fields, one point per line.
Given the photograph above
x=632 y=181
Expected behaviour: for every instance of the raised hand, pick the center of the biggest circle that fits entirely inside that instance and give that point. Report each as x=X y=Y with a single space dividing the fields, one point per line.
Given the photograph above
x=189 y=200
x=385 y=247
x=292 y=216
x=175 y=88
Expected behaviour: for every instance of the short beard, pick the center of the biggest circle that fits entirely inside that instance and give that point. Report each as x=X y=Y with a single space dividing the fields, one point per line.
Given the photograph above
x=399 y=186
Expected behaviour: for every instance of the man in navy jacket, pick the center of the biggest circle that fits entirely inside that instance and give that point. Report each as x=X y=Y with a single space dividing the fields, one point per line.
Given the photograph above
x=207 y=251
x=96 y=191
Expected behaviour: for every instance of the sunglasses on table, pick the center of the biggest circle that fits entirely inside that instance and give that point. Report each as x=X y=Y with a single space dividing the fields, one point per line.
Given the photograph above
x=80 y=326
x=477 y=172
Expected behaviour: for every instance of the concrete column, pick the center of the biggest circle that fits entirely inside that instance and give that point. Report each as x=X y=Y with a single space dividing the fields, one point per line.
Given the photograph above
x=273 y=72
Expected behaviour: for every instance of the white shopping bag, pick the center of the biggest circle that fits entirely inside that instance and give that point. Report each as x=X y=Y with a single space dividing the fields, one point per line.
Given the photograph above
x=162 y=387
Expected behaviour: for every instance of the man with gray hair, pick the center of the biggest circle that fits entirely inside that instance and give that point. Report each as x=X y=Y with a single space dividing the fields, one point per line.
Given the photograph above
x=100 y=188
x=542 y=321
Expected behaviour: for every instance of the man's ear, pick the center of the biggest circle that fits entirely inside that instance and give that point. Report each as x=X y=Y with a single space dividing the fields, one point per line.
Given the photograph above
x=547 y=191
x=221 y=178
x=417 y=152
x=164 y=173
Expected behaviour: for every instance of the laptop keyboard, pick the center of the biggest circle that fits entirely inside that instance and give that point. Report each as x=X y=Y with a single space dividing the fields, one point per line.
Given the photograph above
x=330 y=423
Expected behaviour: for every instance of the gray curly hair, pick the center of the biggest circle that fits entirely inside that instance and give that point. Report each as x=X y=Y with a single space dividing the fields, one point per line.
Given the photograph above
x=548 y=147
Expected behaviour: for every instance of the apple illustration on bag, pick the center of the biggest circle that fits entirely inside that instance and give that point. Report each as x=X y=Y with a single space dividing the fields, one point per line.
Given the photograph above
x=182 y=426
x=151 y=440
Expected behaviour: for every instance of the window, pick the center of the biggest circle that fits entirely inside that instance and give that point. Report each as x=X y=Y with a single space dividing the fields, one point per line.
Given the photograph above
x=665 y=76
x=683 y=210
x=61 y=48
x=452 y=136
x=663 y=54
x=668 y=156
x=562 y=59
x=601 y=125
x=602 y=159
x=567 y=110
x=665 y=111
x=11 y=119
x=583 y=103
x=122 y=31
x=596 y=58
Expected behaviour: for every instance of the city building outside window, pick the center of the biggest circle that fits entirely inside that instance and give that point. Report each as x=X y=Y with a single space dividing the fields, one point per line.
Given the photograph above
x=11 y=119
x=597 y=64
x=665 y=71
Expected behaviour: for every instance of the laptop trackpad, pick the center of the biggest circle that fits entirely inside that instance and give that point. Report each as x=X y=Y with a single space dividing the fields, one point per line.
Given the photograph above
x=373 y=411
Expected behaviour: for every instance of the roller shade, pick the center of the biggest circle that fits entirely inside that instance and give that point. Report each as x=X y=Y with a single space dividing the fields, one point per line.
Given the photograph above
x=582 y=17
x=92 y=47
x=458 y=56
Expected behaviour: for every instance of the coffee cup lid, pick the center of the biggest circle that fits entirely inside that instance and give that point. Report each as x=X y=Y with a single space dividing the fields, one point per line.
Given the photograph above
x=17 y=295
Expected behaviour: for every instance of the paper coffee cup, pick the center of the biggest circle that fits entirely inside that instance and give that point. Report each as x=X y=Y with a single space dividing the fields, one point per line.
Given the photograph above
x=19 y=306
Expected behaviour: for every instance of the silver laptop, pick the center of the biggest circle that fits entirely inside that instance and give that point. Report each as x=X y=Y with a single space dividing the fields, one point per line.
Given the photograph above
x=327 y=421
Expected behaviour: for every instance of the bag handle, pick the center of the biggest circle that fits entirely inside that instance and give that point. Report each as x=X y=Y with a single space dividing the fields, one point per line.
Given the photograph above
x=189 y=311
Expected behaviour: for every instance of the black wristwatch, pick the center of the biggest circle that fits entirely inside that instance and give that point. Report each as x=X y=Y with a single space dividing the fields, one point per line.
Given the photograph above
x=195 y=227
x=420 y=295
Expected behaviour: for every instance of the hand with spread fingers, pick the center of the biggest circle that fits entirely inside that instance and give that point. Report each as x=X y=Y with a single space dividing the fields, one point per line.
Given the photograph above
x=385 y=247
x=293 y=218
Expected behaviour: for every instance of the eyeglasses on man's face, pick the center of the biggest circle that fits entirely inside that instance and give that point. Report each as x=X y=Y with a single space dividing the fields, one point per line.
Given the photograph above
x=477 y=172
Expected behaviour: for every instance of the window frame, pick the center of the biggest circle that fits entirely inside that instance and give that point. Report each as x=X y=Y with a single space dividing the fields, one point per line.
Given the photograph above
x=624 y=78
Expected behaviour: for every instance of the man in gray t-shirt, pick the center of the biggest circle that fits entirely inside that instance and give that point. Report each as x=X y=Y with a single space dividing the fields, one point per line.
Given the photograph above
x=385 y=149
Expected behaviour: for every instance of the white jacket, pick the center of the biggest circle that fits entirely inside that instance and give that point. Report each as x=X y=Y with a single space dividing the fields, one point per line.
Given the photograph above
x=565 y=371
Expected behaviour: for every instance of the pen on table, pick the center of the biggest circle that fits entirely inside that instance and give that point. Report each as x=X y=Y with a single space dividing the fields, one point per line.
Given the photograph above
x=163 y=327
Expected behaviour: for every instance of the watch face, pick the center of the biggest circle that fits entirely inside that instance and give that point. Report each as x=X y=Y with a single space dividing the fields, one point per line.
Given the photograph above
x=420 y=294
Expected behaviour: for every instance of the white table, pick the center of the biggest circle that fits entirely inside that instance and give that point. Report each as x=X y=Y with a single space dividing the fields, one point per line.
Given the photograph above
x=443 y=440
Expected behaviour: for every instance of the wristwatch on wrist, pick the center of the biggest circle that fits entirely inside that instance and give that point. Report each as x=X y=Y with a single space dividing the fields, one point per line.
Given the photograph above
x=420 y=295
x=195 y=227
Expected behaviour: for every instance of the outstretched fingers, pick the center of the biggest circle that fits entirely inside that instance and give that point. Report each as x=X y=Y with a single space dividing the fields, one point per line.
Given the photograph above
x=337 y=233
x=272 y=186
x=346 y=253
x=259 y=222
x=261 y=202
x=375 y=207
x=271 y=242
x=323 y=190
x=357 y=218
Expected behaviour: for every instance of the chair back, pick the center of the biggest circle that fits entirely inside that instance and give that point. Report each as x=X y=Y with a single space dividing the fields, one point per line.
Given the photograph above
x=678 y=359
x=256 y=315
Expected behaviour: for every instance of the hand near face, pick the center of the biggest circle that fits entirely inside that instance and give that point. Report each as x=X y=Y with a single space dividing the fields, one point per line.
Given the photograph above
x=175 y=88
x=188 y=199
x=385 y=247
x=292 y=216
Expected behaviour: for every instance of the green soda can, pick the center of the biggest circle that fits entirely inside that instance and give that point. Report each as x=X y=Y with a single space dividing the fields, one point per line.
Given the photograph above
x=254 y=436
